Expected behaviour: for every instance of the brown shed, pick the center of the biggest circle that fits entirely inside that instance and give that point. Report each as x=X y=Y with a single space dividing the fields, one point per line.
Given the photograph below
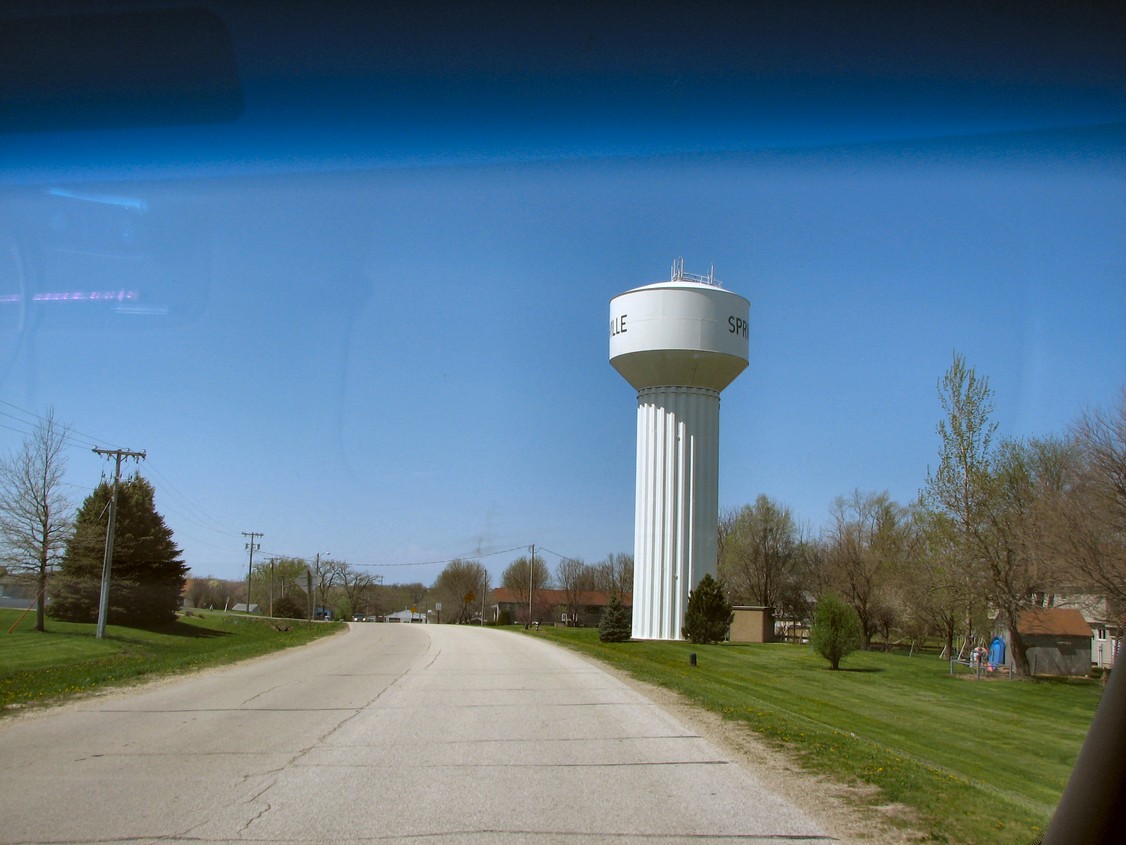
x=1057 y=641
x=752 y=625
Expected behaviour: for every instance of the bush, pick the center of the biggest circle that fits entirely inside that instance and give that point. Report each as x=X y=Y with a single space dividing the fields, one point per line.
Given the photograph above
x=709 y=613
x=836 y=629
x=287 y=607
x=615 y=625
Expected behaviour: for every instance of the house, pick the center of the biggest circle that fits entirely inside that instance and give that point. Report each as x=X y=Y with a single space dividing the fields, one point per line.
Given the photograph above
x=1105 y=622
x=1057 y=641
x=580 y=608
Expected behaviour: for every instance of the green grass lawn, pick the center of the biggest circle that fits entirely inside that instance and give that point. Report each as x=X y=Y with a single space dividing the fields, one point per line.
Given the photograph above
x=68 y=660
x=979 y=761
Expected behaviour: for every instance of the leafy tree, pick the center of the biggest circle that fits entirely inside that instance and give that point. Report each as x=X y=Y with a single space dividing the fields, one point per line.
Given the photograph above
x=277 y=577
x=836 y=629
x=959 y=486
x=289 y=607
x=461 y=587
x=709 y=613
x=35 y=515
x=147 y=574
x=615 y=625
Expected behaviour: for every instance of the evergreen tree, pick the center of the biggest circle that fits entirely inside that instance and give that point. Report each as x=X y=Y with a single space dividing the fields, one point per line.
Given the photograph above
x=836 y=629
x=709 y=613
x=615 y=625
x=147 y=575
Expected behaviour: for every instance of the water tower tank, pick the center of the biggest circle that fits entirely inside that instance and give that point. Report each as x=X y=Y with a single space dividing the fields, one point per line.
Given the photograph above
x=679 y=343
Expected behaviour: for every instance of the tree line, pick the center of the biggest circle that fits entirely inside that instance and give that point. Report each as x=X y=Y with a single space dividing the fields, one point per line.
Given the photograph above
x=461 y=593
x=1002 y=526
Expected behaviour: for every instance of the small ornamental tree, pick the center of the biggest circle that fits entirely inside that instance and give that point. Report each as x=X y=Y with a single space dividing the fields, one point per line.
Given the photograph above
x=615 y=625
x=709 y=613
x=836 y=629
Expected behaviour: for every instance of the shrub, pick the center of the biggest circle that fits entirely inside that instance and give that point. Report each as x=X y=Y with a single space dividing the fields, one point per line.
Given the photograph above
x=709 y=613
x=287 y=607
x=836 y=629
x=615 y=625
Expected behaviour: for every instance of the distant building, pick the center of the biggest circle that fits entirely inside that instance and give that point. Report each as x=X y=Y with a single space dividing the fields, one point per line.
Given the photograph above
x=582 y=608
x=406 y=615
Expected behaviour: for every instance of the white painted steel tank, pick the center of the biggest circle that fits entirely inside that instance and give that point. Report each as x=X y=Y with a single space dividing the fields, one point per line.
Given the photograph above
x=679 y=343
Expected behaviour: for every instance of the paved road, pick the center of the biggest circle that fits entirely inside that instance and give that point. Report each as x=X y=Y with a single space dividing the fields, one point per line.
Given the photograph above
x=427 y=733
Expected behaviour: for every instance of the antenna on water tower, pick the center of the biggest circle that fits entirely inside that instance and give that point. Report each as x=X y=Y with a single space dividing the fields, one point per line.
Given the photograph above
x=679 y=343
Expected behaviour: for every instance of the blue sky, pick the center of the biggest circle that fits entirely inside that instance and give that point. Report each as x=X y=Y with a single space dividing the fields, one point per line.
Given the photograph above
x=450 y=393
x=393 y=349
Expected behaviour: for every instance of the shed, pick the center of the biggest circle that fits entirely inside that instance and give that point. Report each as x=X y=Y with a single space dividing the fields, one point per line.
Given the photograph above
x=752 y=625
x=1057 y=641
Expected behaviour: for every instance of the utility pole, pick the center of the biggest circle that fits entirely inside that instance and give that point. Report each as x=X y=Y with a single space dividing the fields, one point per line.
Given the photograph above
x=314 y=587
x=252 y=546
x=103 y=602
x=531 y=581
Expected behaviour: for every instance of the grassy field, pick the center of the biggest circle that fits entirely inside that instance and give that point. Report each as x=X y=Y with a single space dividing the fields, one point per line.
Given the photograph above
x=978 y=761
x=67 y=660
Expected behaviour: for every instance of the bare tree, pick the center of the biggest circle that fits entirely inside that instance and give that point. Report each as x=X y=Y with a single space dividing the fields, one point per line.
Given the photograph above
x=933 y=585
x=1092 y=529
x=1020 y=513
x=574 y=578
x=865 y=547
x=520 y=576
x=36 y=518
x=614 y=574
x=358 y=587
x=760 y=550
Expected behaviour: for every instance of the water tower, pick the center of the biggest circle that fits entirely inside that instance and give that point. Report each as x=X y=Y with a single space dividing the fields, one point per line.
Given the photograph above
x=679 y=343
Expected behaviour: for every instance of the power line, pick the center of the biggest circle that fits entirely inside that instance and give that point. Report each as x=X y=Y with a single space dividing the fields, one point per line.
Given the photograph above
x=201 y=517
x=411 y=563
x=82 y=440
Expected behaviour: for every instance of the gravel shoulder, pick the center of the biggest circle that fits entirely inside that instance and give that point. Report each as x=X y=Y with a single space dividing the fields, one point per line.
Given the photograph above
x=847 y=812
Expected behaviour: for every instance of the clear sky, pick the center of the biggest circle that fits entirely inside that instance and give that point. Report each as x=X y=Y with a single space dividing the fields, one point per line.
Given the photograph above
x=396 y=354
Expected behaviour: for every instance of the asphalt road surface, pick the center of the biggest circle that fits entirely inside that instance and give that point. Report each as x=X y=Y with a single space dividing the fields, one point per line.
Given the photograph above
x=388 y=733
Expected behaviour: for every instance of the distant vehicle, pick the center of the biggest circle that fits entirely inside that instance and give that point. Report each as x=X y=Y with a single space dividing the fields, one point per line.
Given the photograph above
x=359 y=617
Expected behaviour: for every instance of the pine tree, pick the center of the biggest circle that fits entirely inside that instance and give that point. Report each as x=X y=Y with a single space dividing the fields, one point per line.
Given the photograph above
x=147 y=574
x=615 y=625
x=709 y=613
x=836 y=629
